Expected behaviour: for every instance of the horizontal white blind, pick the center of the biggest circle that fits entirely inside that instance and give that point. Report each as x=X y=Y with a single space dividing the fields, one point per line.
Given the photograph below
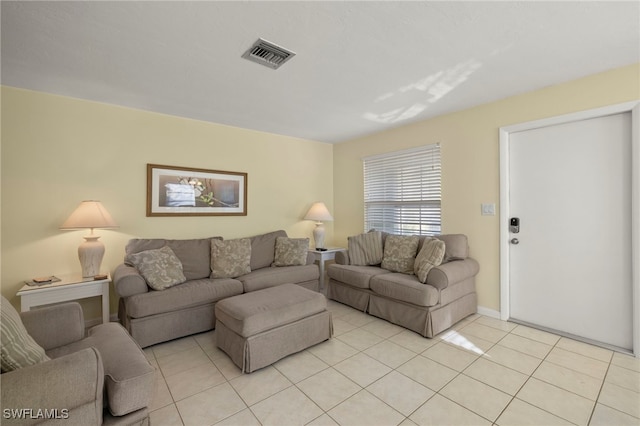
x=402 y=191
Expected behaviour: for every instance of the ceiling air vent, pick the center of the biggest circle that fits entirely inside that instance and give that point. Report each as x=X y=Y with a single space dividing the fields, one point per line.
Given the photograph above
x=268 y=54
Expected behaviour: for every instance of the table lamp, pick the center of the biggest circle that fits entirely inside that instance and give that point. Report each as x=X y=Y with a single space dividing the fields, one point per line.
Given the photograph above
x=319 y=213
x=90 y=215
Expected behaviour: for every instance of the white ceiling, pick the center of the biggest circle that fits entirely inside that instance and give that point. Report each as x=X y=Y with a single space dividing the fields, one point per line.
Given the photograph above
x=360 y=67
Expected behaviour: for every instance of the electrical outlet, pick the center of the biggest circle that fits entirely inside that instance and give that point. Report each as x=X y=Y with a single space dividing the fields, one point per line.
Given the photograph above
x=488 y=209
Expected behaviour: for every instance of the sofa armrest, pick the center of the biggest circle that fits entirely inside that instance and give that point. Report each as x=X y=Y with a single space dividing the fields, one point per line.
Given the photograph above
x=452 y=272
x=72 y=384
x=55 y=326
x=342 y=257
x=127 y=281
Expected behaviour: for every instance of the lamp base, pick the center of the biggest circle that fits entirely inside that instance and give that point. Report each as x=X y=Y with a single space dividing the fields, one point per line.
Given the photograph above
x=318 y=236
x=90 y=253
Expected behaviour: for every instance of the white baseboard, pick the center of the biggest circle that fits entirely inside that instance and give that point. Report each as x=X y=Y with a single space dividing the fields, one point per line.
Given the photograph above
x=488 y=312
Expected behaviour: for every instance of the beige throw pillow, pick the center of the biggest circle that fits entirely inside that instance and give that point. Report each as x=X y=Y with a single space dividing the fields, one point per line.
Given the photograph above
x=430 y=256
x=161 y=268
x=365 y=249
x=400 y=253
x=18 y=348
x=291 y=251
x=230 y=258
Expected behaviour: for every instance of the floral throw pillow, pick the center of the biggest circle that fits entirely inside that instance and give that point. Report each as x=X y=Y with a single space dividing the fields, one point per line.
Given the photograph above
x=230 y=258
x=291 y=251
x=400 y=253
x=430 y=256
x=161 y=268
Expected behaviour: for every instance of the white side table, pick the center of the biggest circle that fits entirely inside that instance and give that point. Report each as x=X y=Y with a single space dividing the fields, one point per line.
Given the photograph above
x=70 y=287
x=321 y=257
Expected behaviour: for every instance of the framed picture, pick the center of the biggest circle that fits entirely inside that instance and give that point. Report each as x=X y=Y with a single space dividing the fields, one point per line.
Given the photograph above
x=180 y=191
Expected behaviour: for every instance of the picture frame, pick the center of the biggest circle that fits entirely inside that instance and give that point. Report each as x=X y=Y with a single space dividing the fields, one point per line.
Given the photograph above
x=188 y=191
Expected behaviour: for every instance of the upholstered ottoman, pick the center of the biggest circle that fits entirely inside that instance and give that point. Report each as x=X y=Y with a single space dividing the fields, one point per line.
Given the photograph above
x=258 y=328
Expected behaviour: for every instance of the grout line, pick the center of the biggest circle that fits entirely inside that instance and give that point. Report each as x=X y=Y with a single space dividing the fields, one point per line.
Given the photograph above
x=593 y=410
x=512 y=397
x=459 y=329
x=531 y=376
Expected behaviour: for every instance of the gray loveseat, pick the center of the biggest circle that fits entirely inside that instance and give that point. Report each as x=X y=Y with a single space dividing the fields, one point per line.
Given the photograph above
x=447 y=296
x=153 y=316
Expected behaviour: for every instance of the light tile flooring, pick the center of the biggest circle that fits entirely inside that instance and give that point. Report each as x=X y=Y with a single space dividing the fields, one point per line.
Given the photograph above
x=482 y=372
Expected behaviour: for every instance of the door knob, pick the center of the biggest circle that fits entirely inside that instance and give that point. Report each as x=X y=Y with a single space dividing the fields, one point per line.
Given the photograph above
x=515 y=241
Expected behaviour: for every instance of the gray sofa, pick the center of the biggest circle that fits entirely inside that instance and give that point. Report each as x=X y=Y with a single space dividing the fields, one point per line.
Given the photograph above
x=447 y=296
x=103 y=378
x=153 y=316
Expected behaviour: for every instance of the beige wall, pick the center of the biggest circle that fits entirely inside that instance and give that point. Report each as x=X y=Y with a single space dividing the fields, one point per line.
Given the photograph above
x=58 y=151
x=470 y=161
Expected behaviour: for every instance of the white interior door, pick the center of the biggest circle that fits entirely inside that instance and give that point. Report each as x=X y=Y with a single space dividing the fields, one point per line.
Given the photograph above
x=570 y=269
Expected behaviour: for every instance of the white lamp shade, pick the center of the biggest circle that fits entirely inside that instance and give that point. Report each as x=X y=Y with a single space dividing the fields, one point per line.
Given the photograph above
x=89 y=214
x=319 y=213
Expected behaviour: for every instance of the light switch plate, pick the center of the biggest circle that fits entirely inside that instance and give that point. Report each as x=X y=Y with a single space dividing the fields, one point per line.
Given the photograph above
x=488 y=209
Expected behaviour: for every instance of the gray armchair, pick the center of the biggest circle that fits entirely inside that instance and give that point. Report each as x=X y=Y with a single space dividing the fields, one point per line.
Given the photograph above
x=103 y=378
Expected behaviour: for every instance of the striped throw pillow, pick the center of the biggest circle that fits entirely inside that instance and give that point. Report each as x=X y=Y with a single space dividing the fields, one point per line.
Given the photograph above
x=18 y=348
x=429 y=257
x=365 y=249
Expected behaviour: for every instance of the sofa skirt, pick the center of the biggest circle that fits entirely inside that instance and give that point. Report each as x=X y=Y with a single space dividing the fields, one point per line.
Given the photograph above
x=446 y=316
x=427 y=321
x=357 y=298
x=137 y=418
x=160 y=328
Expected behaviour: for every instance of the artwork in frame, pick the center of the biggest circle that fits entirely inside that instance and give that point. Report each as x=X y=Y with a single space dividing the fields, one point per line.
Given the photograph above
x=186 y=191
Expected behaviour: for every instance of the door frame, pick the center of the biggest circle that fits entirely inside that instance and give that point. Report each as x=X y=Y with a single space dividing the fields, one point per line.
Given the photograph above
x=632 y=107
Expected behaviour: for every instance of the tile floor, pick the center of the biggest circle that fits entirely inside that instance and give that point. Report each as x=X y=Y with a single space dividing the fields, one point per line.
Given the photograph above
x=482 y=372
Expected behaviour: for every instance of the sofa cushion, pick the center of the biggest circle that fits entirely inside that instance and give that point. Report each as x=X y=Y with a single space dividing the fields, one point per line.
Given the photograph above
x=430 y=256
x=406 y=288
x=252 y=313
x=456 y=247
x=188 y=294
x=129 y=378
x=161 y=268
x=291 y=251
x=230 y=258
x=365 y=249
x=263 y=249
x=356 y=276
x=18 y=348
x=194 y=254
x=270 y=277
x=400 y=253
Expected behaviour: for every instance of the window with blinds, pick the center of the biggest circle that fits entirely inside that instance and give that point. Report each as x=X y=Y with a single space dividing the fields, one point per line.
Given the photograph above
x=402 y=191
